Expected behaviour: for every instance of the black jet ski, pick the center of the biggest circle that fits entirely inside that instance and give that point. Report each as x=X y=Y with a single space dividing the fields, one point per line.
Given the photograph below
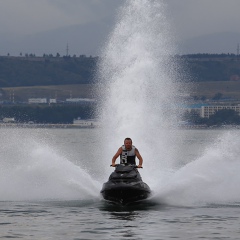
x=125 y=186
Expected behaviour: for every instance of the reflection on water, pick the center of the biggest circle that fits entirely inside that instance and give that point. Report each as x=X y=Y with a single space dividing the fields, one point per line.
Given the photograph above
x=129 y=216
x=145 y=205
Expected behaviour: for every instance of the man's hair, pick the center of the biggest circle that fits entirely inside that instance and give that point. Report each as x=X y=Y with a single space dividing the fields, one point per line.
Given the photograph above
x=127 y=139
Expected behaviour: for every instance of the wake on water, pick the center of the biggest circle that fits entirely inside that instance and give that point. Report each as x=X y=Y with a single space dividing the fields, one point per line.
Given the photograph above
x=140 y=96
x=212 y=178
x=31 y=169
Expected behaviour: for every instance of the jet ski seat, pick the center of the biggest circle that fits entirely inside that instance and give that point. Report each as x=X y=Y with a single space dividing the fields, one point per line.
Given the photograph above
x=125 y=173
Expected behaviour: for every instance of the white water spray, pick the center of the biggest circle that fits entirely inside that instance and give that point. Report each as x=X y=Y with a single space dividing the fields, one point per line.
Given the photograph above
x=212 y=178
x=138 y=85
x=140 y=99
x=32 y=169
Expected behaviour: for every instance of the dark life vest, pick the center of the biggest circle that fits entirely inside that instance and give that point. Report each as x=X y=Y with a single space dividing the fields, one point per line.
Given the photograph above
x=128 y=157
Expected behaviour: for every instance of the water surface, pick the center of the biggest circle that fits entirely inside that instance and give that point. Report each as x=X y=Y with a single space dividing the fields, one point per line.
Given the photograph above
x=50 y=189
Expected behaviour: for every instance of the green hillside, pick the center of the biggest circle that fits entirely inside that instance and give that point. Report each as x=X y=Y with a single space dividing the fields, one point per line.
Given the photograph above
x=61 y=92
x=45 y=71
x=64 y=77
x=205 y=69
x=228 y=89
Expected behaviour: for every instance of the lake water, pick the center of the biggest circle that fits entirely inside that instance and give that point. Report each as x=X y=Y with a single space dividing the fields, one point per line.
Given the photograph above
x=50 y=181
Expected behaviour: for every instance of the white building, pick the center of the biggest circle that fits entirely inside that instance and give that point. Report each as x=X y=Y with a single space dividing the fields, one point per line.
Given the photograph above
x=85 y=123
x=207 y=111
x=79 y=100
x=52 y=100
x=37 y=100
x=8 y=120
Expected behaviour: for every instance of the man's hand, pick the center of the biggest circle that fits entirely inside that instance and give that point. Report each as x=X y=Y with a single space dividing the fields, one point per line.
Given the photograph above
x=139 y=166
x=113 y=164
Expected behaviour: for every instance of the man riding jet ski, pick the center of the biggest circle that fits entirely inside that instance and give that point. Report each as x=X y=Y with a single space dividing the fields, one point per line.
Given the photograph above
x=127 y=154
x=125 y=184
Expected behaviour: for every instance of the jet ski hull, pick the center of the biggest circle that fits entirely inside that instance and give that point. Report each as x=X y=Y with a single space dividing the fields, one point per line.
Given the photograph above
x=125 y=187
x=124 y=194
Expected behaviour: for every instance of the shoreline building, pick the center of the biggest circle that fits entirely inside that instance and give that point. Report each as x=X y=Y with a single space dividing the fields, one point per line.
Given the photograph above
x=37 y=100
x=207 y=111
x=85 y=122
x=80 y=100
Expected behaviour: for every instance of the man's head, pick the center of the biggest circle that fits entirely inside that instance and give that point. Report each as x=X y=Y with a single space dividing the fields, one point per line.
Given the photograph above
x=128 y=143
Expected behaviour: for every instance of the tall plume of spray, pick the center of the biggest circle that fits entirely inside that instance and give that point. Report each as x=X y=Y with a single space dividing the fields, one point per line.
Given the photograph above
x=138 y=90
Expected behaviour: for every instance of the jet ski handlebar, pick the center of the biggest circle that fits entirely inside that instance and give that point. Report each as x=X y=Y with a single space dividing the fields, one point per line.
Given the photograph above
x=135 y=166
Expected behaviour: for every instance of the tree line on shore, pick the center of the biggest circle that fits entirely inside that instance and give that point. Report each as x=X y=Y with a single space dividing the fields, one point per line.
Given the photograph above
x=45 y=71
x=59 y=114
x=47 y=114
x=30 y=70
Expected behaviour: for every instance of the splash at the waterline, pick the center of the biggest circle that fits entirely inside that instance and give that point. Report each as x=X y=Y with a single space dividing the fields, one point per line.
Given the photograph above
x=212 y=178
x=31 y=169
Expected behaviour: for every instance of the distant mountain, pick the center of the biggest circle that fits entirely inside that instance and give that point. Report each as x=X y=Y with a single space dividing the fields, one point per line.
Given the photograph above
x=85 y=39
x=222 y=42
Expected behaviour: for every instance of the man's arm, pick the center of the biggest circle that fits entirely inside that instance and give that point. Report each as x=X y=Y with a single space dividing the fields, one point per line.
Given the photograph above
x=139 y=157
x=116 y=156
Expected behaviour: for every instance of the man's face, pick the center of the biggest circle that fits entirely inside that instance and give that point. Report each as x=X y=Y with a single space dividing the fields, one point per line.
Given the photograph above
x=128 y=144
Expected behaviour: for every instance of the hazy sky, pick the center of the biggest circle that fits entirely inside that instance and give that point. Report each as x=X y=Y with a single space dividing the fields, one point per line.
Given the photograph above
x=192 y=18
x=31 y=16
x=188 y=18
